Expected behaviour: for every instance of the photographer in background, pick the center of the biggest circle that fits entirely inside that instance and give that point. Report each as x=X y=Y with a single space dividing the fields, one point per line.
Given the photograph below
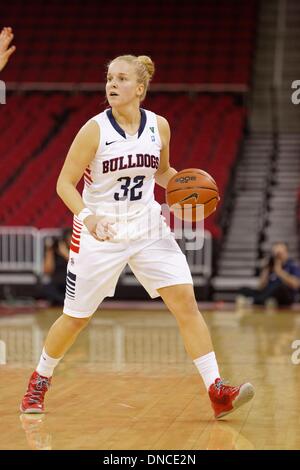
x=279 y=280
x=55 y=268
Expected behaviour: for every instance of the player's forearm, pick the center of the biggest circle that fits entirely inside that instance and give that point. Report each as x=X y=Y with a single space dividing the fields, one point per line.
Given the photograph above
x=163 y=178
x=70 y=196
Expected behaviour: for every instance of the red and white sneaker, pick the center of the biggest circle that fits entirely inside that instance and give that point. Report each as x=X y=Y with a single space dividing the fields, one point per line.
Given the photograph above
x=225 y=399
x=33 y=400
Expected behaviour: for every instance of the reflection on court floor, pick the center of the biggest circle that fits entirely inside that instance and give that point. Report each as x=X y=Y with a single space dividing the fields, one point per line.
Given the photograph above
x=218 y=435
x=127 y=383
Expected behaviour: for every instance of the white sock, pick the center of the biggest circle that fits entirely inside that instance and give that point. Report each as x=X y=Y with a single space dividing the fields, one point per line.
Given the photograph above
x=208 y=368
x=47 y=364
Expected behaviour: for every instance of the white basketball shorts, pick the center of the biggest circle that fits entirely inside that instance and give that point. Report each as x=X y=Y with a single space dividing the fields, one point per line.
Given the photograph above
x=94 y=268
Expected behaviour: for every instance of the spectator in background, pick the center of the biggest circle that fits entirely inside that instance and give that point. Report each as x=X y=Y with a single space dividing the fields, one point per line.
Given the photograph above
x=55 y=267
x=279 y=280
x=6 y=36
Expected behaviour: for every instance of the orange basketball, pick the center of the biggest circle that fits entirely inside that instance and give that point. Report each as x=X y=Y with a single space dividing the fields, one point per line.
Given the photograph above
x=188 y=190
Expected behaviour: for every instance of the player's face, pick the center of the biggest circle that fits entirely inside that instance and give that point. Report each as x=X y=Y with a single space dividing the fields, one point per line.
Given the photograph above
x=122 y=87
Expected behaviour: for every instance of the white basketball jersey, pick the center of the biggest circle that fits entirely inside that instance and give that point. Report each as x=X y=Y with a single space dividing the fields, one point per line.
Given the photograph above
x=119 y=182
x=120 y=179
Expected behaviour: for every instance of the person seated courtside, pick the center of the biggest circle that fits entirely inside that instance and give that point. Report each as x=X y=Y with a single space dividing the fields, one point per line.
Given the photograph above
x=279 y=280
x=55 y=268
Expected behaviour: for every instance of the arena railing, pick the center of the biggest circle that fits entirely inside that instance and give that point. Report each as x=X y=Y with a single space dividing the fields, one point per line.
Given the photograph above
x=19 y=255
x=22 y=254
x=155 y=87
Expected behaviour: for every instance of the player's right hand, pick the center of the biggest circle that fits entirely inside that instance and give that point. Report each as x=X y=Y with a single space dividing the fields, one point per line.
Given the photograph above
x=100 y=227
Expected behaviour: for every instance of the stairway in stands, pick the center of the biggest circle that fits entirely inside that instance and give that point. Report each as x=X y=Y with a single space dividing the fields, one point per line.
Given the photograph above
x=264 y=198
x=238 y=260
x=281 y=221
x=264 y=210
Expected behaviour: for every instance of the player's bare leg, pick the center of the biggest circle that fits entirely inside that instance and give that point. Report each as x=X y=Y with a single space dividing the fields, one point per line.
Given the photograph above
x=63 y=333
x=61 y=336
x=180 y=299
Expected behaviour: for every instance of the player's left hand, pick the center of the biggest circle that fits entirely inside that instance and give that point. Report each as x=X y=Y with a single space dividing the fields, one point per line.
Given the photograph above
x=100 y=227
x=6 y=36
x=104 y=229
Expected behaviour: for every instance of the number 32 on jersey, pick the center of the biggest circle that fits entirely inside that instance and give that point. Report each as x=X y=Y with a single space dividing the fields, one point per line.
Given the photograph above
x=129 y=190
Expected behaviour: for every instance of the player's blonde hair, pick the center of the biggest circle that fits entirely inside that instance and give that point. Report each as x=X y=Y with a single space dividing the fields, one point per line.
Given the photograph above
x=144 y=68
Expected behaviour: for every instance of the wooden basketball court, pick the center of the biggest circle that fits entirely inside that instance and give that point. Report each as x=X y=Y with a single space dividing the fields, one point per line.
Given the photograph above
x=128 y=384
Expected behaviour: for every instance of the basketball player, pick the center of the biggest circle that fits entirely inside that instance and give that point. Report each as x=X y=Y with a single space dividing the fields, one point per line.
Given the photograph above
x=122 y=152
x=6 y=36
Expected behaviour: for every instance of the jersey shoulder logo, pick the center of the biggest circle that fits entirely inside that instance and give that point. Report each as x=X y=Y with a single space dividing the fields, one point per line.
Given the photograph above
x=108 y=143
x=151 y=129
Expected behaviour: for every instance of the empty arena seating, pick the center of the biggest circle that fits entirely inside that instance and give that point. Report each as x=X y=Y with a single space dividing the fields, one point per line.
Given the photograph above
x=191 y=42
x=206 y=133
x=210 y=42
